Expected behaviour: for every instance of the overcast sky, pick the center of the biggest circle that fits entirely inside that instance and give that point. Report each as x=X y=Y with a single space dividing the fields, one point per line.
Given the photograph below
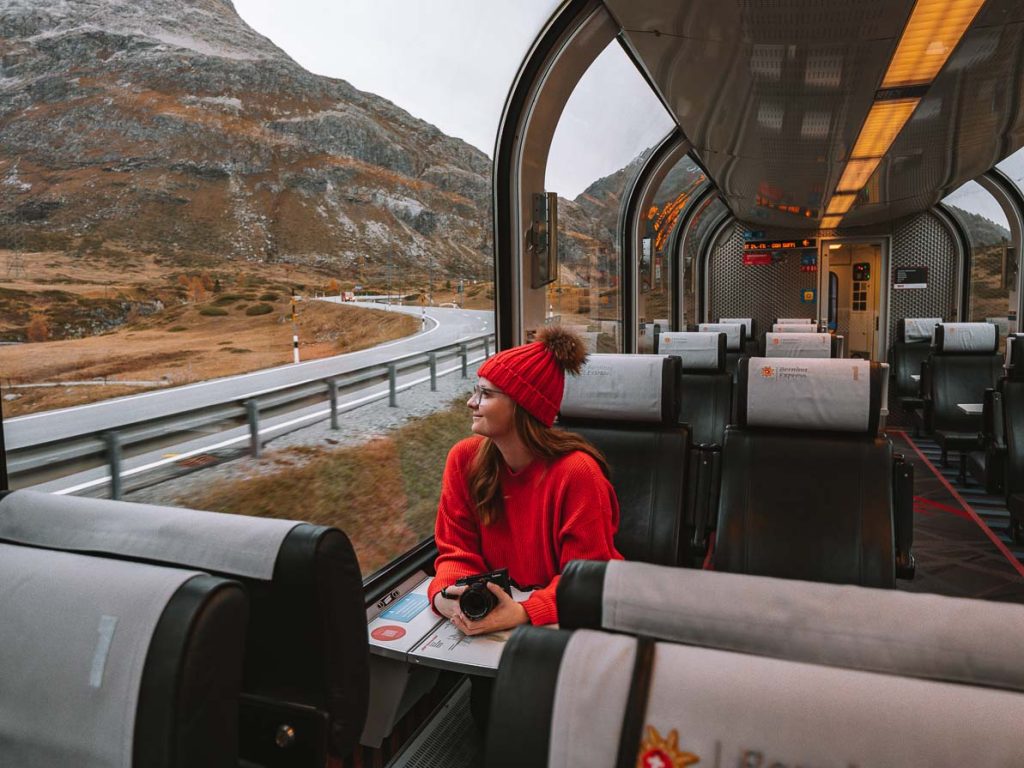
x=451 y=63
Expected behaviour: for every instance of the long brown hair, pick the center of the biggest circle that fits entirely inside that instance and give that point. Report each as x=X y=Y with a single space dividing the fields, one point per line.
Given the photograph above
x=542 y=441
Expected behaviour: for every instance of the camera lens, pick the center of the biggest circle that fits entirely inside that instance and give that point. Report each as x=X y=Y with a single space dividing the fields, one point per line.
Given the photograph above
x=477 y=601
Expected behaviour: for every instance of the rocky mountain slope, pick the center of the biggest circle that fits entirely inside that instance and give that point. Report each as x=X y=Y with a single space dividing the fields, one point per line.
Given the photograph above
x=171 y=127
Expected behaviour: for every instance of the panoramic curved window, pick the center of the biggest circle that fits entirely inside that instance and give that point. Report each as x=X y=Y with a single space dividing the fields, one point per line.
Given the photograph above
x=235 y=280
x=1013 y=166
x=699 y=226
x=605 y=132
x=992 y=258
x=657 y=265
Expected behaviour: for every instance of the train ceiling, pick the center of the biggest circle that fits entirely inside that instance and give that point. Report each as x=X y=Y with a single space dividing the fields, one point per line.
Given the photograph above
x=773 y=96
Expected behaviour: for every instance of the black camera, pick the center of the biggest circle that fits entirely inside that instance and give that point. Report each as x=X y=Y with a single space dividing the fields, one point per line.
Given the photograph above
x=477 y=601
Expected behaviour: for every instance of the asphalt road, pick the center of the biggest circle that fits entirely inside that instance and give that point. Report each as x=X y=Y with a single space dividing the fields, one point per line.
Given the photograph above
x=443 y=327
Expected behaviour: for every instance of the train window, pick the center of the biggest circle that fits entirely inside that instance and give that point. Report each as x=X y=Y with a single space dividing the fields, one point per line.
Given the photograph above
x=1013 y=166
x=194 y=213
x=611 y=120
x=993 y=258
x=672 y=200
x=710 y=211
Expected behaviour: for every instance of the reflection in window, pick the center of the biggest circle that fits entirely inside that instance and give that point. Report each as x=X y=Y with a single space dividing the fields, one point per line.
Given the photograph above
x=697 y=230
x=672 y=199
x=993 y=261
x=609 y=122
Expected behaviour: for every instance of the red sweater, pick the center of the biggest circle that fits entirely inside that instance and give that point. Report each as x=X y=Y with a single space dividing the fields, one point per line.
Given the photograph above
x=555 y=511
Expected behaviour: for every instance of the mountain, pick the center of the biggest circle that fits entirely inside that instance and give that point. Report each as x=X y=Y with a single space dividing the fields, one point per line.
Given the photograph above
x=171 y=127
x=981 y=231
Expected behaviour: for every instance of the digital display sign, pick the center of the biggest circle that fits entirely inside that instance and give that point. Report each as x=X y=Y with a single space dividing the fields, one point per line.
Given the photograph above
x=753 y=246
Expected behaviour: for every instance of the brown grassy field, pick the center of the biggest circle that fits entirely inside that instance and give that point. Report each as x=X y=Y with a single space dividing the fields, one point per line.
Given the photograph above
x=383 y=494
x=200 y=333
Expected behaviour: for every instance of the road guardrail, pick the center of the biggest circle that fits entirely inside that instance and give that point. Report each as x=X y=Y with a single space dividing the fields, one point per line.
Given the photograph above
x=109 y=446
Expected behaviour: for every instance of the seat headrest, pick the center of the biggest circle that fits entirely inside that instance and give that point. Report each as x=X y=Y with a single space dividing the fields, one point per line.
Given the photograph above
x=697 y=351
x=916 y=329
x=746 y=322
x=794 y=328
x=966 y=338
x=795 y=321
x=623 y=388
x=812 y=395
x=798 y=345
x=1014 y=360
x=239 y=545
x=735 y=334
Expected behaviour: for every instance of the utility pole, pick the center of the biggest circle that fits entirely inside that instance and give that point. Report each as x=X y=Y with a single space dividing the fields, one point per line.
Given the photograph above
x=295 y=332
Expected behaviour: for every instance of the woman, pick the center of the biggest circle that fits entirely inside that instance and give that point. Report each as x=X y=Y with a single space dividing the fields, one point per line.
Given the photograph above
x=519 y=494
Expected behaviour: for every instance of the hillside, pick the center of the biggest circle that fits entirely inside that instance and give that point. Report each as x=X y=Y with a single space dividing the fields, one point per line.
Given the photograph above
x=171 y=127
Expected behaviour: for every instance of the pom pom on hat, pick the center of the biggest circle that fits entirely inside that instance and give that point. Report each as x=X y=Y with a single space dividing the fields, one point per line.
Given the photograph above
x=534 y=374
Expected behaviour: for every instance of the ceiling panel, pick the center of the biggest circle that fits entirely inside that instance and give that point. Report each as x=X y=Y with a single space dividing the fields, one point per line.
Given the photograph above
x=773 y=93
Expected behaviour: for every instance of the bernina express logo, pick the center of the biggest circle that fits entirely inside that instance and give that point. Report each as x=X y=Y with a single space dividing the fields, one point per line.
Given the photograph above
x=767 y=372
x=658 y=752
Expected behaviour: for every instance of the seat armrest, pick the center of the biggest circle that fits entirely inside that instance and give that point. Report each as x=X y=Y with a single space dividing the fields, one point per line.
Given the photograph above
x=705 y=502
x=995 y=420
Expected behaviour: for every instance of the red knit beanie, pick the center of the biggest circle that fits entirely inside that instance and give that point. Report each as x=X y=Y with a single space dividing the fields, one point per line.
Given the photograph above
x=534 y=374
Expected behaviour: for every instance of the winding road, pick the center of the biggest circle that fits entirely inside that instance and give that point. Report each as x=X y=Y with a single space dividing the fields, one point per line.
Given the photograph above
x=443 y=326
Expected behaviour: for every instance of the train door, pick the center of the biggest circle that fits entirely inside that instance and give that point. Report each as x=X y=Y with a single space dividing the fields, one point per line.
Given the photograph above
x=852 y=280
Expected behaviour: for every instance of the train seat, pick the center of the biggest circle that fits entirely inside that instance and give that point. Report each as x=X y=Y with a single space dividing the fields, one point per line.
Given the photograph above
x=589 y=697
x=106 y=662
x=306 y=648
x=735 y=342
x=1013 y=422
x=962 y=365
x=876 y=630
x=706 y=407
x=808 y=489
x=749 y=331
x=988 y=465
x=794 y=328
x=705 y=388
x=820 y=345
x=912 y=347
x=794 y=321
x=628 y=407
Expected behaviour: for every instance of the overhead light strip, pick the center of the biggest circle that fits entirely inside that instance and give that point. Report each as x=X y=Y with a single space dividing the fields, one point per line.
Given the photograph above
x=932 y=33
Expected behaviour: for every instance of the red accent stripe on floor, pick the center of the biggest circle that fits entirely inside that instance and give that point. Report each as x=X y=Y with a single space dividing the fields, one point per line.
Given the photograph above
x=921 y=501
x=967 y=507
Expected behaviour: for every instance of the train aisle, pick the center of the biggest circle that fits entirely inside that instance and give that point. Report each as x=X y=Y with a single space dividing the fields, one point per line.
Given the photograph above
x=961 y=542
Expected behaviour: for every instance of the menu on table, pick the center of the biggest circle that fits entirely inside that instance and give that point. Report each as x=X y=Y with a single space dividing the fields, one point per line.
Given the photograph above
x=402 y=626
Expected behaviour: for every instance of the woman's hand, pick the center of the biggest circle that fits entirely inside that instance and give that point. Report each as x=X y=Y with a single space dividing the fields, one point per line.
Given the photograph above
x=447 y=606
x=505 y=615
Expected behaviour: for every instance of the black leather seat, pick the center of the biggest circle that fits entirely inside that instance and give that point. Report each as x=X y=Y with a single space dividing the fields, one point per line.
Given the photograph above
x=793 y=344
x=107 y=662
x=306 y=660
x=628 y=407
x=735 y=343
x=912 y=347
x=750 y=332
x=807 y=483
x=707 y=409
x=586 y=697
x=1013 y=422
x=705 y=388
x=988 y=465
x=962 y=365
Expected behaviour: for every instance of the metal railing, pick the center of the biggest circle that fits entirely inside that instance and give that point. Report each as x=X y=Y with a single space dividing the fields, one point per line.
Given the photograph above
x=109 y=446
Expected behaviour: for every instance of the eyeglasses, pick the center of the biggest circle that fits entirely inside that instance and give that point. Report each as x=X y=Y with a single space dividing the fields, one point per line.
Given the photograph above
x=481 y=393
